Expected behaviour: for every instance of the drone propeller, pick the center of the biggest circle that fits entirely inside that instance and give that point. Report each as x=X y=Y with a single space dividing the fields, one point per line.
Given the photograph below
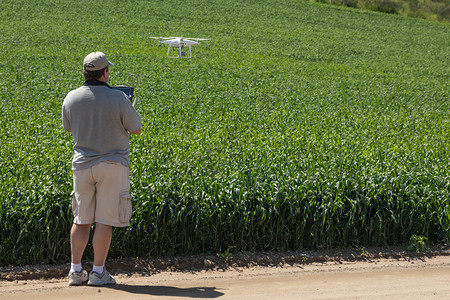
x=161 y=38
x=181 y=38
x=198 y=39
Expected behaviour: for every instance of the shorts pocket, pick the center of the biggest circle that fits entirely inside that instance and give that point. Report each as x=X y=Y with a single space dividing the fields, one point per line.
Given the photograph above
x=74 y=204
x=125 y=208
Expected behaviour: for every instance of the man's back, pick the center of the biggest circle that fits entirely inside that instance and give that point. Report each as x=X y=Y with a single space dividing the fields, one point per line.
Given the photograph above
x=99 y=119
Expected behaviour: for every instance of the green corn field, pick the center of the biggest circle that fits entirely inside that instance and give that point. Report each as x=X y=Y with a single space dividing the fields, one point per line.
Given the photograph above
x=298 y=125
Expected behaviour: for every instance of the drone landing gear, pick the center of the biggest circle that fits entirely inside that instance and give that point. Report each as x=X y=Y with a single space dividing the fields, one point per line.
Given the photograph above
x=180 y=53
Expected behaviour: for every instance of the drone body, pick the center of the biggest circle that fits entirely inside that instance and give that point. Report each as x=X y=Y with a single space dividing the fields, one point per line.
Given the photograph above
x=179 y=43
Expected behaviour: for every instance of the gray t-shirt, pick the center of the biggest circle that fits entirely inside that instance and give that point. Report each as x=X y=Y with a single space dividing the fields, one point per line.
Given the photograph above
x=99 y=118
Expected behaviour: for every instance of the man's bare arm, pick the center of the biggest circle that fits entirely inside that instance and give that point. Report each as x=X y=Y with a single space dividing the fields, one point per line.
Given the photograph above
x=136 y=131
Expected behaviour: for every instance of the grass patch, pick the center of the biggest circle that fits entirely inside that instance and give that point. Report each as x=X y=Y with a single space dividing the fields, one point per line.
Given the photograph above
x=297 y=126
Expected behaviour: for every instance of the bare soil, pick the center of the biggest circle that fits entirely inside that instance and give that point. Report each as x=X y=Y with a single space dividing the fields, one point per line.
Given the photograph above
x=374 y=273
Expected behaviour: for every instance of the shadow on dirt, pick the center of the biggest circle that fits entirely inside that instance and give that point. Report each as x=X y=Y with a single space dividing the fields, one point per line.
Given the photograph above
x=169 y=291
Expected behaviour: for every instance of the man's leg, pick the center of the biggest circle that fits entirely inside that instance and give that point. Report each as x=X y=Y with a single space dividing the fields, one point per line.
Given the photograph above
x=112 y=187
x=79 y=237
x=101 y=242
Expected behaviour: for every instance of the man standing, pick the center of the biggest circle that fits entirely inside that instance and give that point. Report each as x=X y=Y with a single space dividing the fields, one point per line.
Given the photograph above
x=100 y=119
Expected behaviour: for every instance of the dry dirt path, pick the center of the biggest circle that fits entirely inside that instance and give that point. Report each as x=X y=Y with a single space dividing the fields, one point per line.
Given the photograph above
x=417 y=278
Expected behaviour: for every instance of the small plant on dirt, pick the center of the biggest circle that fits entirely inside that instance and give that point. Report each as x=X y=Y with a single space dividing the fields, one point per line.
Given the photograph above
x=227 y=254
x=363 y=252
x=418 y=243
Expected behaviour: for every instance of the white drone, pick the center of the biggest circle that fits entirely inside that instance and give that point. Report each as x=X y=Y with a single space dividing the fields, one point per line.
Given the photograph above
x=179 y=43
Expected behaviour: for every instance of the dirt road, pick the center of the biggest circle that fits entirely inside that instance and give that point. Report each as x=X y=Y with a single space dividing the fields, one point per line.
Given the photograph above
x=417 y=278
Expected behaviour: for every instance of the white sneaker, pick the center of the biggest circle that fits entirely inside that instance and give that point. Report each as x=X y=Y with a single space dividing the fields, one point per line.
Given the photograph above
x=78 y=278
x=100 y=279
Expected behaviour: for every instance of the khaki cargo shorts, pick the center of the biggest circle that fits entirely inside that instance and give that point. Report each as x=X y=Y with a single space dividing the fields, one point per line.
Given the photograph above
x=102 y=194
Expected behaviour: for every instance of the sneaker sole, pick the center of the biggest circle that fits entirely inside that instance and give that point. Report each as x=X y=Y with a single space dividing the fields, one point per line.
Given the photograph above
x=75 y=283
x=99 y=284
x=94 y=283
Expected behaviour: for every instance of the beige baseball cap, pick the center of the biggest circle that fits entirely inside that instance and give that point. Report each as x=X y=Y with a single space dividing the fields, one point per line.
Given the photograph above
x=96 y=61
